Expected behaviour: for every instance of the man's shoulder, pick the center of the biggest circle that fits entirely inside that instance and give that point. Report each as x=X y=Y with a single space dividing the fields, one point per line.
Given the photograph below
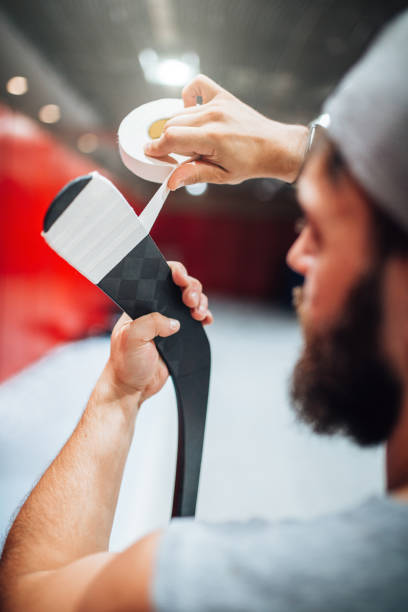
x=359 y=522
x=259 y=562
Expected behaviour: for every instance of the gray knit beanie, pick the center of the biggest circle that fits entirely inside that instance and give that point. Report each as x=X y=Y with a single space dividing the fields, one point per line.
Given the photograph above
x=369 y=119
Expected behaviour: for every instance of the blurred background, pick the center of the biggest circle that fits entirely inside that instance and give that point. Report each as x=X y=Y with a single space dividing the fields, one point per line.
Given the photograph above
x=70 y=70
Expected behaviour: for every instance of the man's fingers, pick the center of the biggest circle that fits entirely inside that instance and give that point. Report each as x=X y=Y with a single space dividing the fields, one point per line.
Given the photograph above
x=187 y=111
x=192 y=293
x=124 y=319
x=183 y=140
x=201 y=86
x=194 y=117
x=199 y=171
x=184 y=281
x=200 y=312
x=146 y=328
x=208 y=319
x=179 y=273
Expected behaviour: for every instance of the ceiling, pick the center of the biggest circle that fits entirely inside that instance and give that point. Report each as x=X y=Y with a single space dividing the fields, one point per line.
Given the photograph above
x=281 y=56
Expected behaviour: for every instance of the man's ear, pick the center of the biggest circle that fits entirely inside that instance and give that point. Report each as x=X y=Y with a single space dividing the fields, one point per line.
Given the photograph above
x=396 y=312
x=402 y=267
x=403 y=274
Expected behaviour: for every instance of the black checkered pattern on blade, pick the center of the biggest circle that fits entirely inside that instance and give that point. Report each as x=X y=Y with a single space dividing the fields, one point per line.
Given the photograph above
x=141 y=283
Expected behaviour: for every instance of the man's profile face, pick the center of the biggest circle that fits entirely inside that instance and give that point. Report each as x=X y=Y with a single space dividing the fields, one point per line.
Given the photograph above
x=343 y=380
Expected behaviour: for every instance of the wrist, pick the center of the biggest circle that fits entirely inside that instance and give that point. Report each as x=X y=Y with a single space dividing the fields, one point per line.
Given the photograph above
x=109 y=390
x=283 y=151
x=296 y=145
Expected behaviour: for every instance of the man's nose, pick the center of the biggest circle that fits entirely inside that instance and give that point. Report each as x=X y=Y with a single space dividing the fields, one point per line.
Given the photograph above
x=297 y=257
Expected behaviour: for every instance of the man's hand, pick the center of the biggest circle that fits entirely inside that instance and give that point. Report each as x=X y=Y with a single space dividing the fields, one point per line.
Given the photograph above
x=233 y=141
x=135 y=367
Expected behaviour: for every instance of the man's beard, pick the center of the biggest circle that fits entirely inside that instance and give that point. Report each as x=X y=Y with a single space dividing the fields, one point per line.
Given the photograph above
x=343 y=382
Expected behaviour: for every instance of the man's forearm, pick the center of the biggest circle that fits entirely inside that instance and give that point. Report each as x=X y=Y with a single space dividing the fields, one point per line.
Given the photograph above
x=69 y=513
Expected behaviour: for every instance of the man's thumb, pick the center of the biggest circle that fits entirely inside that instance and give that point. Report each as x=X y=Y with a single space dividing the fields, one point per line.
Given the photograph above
x=196 y=172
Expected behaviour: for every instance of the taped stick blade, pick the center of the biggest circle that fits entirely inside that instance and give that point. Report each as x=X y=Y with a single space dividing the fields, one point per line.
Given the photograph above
x=92 y=226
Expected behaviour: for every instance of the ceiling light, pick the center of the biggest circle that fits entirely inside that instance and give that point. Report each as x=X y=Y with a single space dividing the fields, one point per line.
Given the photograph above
x=173 y=72
x=87 y=143
x=50 y=113
x=165 y=70
x=17 y=85
x=197 y=189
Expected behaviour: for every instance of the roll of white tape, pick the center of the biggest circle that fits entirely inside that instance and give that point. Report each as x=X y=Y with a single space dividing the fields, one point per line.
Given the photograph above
x=142 y=125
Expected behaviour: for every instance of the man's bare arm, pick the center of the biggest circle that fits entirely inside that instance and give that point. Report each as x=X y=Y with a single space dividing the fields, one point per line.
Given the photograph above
x=55 y=557
x=69 y=514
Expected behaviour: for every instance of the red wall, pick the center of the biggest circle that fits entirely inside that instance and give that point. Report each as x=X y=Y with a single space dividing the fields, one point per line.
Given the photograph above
x=236 y=256
x=43 y=300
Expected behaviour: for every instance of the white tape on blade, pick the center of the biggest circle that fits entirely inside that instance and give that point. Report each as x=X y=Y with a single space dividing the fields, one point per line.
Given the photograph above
x=99 y=227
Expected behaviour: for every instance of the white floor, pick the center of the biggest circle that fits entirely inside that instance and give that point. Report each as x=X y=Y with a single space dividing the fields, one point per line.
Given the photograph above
x=257 y=461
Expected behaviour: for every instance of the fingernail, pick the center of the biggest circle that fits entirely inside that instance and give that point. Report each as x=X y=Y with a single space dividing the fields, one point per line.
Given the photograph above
x=201 y=309
x=179 y=184
x=194 y=295
x=174 y=324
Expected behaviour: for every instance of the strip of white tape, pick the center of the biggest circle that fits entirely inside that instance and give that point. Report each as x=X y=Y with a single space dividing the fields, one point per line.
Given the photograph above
x=99 y=227
x=150 y=212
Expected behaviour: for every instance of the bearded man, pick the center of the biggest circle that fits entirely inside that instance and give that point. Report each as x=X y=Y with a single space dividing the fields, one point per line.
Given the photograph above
x=352 y=377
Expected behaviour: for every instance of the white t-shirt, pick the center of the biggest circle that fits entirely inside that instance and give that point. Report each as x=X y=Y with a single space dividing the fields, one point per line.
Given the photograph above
x=352 y=561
